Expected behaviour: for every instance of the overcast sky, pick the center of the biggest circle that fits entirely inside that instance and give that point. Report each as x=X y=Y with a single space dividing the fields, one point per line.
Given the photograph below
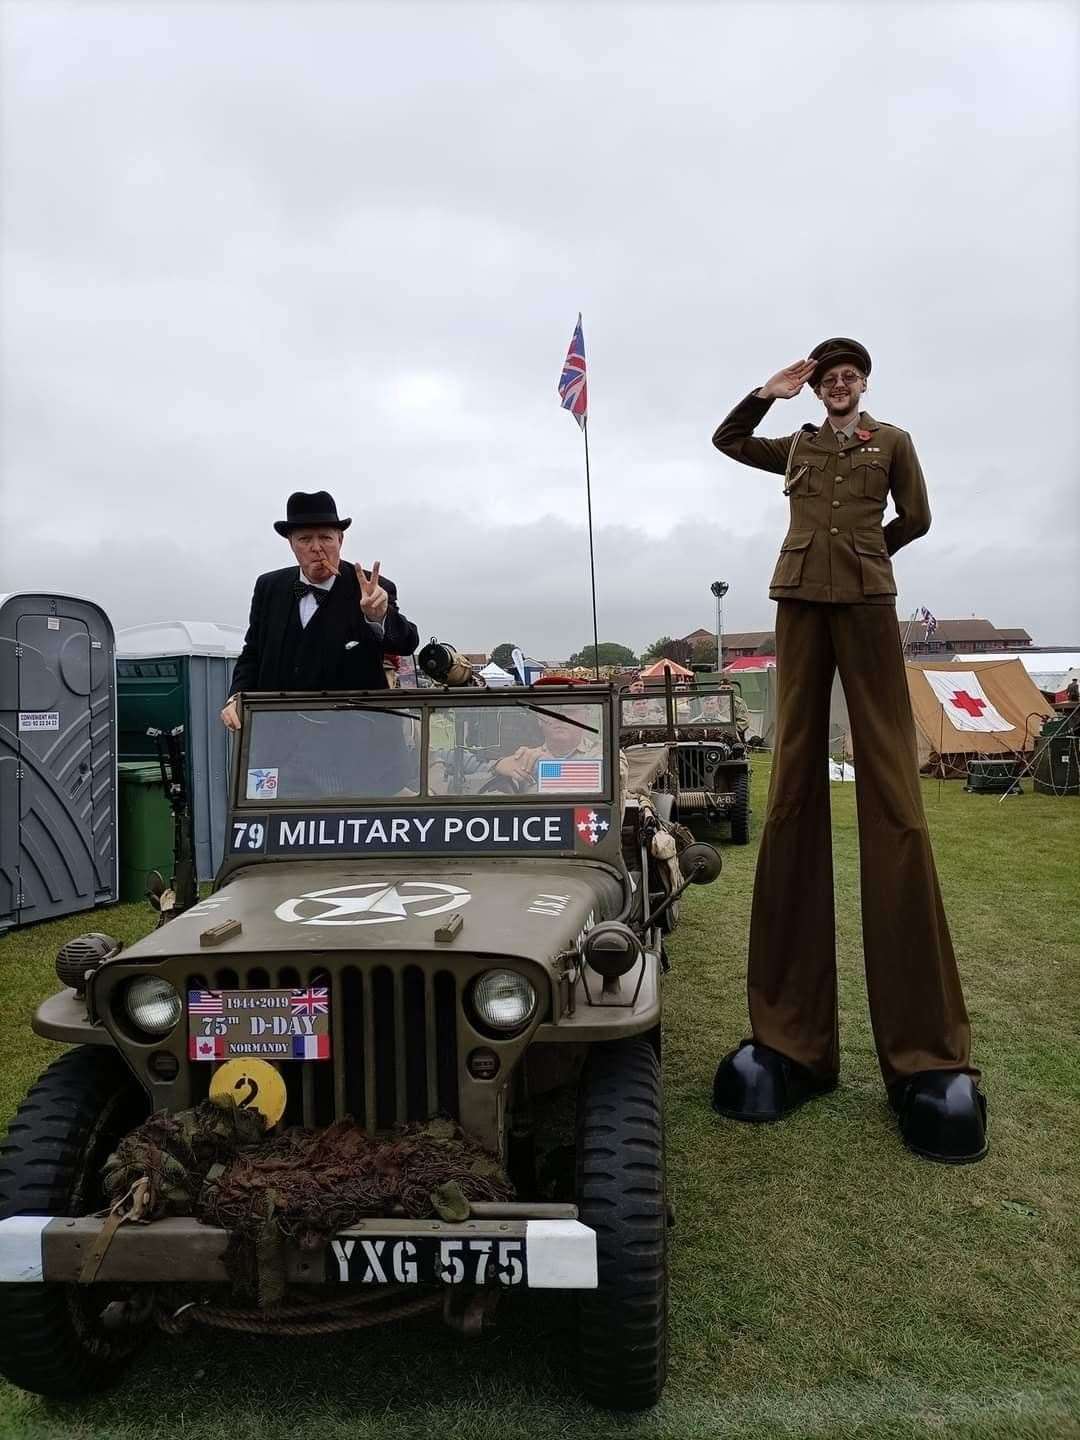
x=254 y=248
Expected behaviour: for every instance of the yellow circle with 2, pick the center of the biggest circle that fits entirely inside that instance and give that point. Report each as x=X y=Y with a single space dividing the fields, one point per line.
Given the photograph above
x=253 y=1085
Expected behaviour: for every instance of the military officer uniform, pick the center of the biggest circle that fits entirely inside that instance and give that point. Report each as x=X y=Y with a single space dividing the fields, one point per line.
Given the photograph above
x=836 y=611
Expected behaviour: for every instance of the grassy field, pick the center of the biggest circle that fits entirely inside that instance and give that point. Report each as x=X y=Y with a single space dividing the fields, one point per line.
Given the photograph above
x=825 y=1282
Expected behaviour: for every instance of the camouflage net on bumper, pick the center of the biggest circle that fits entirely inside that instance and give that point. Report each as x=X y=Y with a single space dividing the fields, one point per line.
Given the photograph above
x=217 y=1163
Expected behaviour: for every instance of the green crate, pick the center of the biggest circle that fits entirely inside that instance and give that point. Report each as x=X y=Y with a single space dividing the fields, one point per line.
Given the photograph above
x=145 y=826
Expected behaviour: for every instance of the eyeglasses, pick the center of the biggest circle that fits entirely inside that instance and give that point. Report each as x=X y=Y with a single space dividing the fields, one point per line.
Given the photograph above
x=847 y=376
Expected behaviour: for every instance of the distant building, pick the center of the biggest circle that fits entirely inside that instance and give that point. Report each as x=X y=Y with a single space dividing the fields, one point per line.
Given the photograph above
x=952 y=637
x=737 y=643
x=967 y=637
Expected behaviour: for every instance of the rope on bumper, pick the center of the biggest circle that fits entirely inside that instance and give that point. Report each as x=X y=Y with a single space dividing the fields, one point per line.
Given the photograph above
x=315 y=1317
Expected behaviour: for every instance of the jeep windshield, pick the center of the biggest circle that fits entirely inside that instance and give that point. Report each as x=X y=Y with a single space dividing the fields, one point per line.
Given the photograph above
x=689 y=708
x=350 y=750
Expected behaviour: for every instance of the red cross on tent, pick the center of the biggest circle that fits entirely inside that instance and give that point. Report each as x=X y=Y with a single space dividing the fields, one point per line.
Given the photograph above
x=968 y=702
x=965 y=703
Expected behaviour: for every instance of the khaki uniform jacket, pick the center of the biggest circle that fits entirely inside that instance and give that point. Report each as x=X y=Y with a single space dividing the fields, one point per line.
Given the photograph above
x=836 y=549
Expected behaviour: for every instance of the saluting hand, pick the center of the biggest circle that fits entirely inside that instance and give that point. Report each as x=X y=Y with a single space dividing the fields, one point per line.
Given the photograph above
x=787 y=383
x=373 y=598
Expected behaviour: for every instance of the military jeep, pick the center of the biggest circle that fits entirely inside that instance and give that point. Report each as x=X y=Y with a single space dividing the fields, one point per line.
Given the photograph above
x=429 y=907
x=707 y=770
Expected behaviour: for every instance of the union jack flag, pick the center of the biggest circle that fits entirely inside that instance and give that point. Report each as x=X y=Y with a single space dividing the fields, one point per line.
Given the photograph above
x=573 y=386
x=929 y=621
x=312 y=1001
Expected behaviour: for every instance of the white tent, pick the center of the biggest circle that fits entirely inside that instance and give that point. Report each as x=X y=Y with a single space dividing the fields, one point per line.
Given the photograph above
x=179 y=637
x=1051 y=670
x=495 y=677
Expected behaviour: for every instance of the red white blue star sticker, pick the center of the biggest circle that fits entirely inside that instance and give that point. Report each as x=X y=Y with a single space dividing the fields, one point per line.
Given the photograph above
x=590 y=826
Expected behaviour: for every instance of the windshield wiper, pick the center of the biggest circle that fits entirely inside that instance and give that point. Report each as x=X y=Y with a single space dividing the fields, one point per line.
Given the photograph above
x=557 y=715
x=367 y=706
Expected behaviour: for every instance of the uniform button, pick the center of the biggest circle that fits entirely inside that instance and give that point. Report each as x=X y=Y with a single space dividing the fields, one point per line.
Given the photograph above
x=839 y=478
x=836 y=504
x=834 y=531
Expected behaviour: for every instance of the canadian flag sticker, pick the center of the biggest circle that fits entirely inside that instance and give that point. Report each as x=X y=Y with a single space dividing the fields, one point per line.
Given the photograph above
x=206 y=1047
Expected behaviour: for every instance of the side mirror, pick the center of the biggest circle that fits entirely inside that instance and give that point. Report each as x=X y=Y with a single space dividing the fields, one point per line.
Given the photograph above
x=700 y=863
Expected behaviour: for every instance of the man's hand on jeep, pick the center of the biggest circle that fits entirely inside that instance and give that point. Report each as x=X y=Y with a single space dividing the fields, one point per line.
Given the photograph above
x=231 y=715
x=373 y=598
x=520 y=766
x=787 y=383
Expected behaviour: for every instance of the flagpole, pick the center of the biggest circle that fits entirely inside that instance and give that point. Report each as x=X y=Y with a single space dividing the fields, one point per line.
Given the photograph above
x=592 y=560
x=907 y=632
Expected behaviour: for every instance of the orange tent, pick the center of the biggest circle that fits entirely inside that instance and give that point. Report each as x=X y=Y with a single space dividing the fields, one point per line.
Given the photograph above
x=656 y=672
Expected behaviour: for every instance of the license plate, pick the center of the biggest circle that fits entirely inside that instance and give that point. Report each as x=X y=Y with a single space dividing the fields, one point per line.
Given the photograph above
x=289 y=1024
x=428 y=1260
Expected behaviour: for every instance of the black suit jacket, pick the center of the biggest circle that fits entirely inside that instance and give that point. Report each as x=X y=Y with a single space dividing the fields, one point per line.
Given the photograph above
x=337 y=650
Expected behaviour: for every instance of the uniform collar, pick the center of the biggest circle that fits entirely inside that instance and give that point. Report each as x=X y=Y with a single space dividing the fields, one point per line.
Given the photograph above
x=827 y=438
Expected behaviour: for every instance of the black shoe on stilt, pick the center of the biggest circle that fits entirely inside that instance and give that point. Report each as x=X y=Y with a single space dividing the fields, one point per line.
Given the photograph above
x=942 y=1115
x=757 y=1084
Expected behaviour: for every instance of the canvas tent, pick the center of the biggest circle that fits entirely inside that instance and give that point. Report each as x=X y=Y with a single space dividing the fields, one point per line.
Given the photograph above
x=755 y=677
x=496 y=678
x=1051 y=670
x=656 y=672
x=978 y=709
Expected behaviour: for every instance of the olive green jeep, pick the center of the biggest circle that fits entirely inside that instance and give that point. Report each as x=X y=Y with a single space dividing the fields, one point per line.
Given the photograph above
x=433 y=904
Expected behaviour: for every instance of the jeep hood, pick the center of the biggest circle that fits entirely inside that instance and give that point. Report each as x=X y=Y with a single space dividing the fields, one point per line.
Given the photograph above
x=528 y=910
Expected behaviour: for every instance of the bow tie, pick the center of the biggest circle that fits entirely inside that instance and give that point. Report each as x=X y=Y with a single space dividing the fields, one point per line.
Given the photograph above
x=301 y=588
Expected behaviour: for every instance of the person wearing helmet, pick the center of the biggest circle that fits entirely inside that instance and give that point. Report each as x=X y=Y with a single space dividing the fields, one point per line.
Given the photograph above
x=836 y=610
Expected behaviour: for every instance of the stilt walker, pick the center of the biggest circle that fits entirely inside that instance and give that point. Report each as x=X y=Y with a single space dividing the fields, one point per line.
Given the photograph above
x=836 y=610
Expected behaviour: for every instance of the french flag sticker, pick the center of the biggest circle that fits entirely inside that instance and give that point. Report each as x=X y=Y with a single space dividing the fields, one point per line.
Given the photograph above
x=311 y=1047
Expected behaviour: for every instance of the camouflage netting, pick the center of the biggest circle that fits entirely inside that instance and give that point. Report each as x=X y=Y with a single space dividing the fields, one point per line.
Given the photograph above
x=217 y=1163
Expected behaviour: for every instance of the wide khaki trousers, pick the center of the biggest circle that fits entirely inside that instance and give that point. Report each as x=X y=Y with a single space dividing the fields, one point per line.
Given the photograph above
x=916 y=1004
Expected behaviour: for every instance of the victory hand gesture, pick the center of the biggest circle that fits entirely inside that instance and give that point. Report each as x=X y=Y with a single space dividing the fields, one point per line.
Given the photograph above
x=787 y=383
x=373 y=598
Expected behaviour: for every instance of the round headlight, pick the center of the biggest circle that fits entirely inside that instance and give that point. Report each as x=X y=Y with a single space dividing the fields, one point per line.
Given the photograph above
x=152 y=1005
x=504 y=1000
x=713 y=757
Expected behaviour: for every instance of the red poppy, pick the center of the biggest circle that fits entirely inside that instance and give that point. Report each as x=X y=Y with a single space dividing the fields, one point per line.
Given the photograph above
x=863 y=435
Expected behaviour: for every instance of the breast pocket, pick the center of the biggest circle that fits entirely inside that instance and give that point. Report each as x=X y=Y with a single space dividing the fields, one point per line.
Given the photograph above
x=869 y=476
x=807 y=476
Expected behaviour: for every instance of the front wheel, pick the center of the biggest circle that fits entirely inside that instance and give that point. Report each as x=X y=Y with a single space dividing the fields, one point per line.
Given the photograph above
x=621 y=1196
x=52 y=1341
x=740 y=815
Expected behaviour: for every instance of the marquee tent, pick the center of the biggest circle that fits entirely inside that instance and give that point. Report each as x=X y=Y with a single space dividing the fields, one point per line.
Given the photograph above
x=978 y=709
x=496 y=678
x=656 y=672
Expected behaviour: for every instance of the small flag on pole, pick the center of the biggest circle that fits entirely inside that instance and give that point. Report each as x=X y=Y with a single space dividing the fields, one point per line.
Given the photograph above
x=929 y=621
x=573 y=386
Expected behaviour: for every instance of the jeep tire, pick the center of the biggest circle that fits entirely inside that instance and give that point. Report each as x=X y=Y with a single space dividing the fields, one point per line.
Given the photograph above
x=52 y=1341
x=621 y=1196
x=740 y=815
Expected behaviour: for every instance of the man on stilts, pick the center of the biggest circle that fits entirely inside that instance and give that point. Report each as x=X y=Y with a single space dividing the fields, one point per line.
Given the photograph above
x=836 y=610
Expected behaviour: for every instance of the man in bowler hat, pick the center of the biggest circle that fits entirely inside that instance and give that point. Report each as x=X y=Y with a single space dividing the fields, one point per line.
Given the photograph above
x=321 y=624
x=836 y=610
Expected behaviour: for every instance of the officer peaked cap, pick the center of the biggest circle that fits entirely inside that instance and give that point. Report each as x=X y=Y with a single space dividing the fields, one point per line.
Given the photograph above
x=835 y=352
x=304 y=512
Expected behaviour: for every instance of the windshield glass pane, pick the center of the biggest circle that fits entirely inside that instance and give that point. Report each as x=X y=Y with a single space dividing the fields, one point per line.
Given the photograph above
x=704 y=709
x=324 y=754
x=644 y=710
x=548 y=748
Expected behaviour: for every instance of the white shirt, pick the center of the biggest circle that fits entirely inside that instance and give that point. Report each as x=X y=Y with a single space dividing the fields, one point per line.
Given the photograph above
x=308 y=603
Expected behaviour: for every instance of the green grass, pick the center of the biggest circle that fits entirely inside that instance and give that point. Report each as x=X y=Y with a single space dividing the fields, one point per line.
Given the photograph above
x=825 y=1283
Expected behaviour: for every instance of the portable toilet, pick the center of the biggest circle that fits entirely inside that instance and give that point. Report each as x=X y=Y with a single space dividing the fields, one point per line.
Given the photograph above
x=177 y=672
x=57 y=758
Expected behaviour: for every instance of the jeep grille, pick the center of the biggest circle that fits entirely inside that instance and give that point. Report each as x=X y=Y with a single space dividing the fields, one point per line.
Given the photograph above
x=393 y=1050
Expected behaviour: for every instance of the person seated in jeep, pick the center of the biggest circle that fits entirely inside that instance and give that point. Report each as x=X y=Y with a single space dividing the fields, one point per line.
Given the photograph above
x=570 y=734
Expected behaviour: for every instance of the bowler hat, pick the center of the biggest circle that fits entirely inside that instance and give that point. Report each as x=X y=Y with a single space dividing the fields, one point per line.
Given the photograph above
x=834 y=352
x=302 y=511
